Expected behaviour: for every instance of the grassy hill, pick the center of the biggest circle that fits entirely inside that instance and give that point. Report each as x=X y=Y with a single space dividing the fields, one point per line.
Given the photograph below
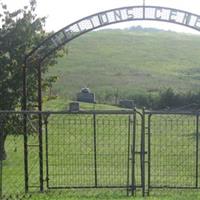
x=124 y=63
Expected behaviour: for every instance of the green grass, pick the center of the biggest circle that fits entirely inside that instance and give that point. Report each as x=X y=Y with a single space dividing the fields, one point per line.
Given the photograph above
x=63 y=104
x=128 y=62
x=71 y=157
x=91 y=195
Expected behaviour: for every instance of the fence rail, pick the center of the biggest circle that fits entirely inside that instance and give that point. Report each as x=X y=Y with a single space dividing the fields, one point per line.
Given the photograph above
x=128 y=149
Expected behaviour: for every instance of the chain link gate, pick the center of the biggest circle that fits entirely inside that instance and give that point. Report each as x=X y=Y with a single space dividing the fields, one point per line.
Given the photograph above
x=93 y=150
x=89 y=149
x=173 y=150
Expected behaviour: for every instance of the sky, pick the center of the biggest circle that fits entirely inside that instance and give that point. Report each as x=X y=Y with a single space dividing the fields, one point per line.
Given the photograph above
x=60 y=13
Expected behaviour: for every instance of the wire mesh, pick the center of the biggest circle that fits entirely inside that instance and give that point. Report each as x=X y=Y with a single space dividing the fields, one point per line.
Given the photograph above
x=99 y=150
x=137 y=151
x=87 y=150
x=33 y=153
x=112 y=150
x=70 y=151
x=12 y=156
x=173 y=151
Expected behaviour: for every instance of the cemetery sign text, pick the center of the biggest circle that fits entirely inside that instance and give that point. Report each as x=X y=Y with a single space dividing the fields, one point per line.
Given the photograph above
x=113 y=16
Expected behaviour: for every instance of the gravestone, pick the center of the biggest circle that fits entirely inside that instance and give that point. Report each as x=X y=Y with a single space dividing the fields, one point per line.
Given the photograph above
x=125 y=103
x=85 y=95
x=74 y=107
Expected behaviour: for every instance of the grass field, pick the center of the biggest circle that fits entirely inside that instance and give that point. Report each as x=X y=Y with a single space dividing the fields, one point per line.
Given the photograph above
x=71 y=157
x=128 y=63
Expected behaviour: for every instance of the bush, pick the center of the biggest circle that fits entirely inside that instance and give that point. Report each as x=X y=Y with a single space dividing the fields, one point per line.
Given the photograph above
x=166 y=98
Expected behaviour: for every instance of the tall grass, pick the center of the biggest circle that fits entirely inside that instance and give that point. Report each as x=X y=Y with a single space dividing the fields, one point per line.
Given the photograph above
x=126 y=63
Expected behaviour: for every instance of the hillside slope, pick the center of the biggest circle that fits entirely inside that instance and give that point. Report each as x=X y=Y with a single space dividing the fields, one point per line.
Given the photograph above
x=125 y=62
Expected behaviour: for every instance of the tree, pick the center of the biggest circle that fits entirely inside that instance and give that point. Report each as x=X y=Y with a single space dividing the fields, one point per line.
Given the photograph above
x=20 y=32
x=167 y=98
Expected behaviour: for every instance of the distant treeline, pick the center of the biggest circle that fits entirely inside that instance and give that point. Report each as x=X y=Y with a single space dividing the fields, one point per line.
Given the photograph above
x=165 y=99
x=145 y=29
x=169 y=99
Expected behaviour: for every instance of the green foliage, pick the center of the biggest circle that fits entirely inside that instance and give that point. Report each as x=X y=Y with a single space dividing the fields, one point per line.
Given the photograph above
x=20 y=32
x=168 y=98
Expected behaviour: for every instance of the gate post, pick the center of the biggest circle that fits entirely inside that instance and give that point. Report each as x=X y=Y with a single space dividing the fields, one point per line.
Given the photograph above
x=1 y=162
x=197 y=150
x=143 y=152
x=24 y=108
x=25 y=152
x=95 y=149
x=133 y=154
x=47 y=149
x=40 y=128
x=149 y=154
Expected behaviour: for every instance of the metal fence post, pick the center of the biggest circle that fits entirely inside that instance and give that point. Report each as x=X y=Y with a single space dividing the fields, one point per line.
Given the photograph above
x=143 y=152
x=95 y=149
x=133 y=154
x=40 y=128
x=128 y=153
x=47 y=149
x=1 y=162
x=149 y=153
x=40 y=153
x=24 y=107
x=25 y=152
x=197 y=150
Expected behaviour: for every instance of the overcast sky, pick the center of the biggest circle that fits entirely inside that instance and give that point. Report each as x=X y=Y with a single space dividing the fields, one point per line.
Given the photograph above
x=63 y=12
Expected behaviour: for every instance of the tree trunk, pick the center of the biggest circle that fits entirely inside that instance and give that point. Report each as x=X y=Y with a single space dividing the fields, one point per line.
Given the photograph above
x=2 y=147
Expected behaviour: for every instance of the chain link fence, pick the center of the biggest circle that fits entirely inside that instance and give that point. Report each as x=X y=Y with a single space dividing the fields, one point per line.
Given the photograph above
x=173 y=150
x=128 y=150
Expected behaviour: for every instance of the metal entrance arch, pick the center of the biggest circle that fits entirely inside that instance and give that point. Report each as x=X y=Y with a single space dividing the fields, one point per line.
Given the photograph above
x=98 y=20
x=80 y=27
